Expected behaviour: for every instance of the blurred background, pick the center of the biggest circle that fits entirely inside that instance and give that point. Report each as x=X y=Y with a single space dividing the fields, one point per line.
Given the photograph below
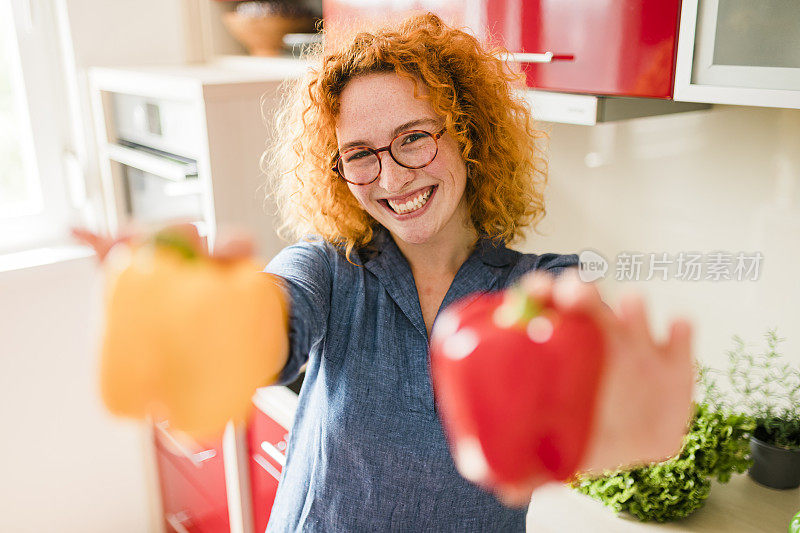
x=664 y=138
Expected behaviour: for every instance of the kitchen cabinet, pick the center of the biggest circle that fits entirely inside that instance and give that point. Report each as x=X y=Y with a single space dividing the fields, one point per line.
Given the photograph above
x=183 y=143
x=584 y=61
x=739 y=52
x=192 y=484
x=227 y=485
x=623 y=48
x=736 y=52
x=268 y=439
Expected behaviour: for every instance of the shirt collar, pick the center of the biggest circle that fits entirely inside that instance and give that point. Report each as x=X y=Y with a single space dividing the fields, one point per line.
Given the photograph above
x=489 y=252
x=479 y=272
x=496 y=255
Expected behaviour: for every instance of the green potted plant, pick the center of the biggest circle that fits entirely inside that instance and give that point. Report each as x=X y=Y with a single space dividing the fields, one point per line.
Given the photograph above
x=715 y=447
x=794 y=525
x=766 y=388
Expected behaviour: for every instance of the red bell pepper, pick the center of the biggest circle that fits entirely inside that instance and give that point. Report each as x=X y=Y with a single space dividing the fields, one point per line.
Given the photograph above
x=516 y=383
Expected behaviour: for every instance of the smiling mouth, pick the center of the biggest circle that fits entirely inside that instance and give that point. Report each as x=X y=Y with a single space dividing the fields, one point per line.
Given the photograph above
x=411 y=205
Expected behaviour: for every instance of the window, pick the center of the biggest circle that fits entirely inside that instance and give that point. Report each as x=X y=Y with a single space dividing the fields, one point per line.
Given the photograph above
x=34 y=127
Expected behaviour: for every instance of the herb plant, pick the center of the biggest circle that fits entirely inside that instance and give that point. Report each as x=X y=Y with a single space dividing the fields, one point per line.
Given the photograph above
x=762 y=386
x=758 y=394
x=715 y=447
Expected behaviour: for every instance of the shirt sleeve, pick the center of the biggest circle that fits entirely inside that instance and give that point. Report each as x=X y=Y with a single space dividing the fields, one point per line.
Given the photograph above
x=557 y=263
x=306 y=270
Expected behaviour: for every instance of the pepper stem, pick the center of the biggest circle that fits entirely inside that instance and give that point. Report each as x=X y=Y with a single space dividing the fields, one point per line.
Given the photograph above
x=518 y=308
x=177 y=242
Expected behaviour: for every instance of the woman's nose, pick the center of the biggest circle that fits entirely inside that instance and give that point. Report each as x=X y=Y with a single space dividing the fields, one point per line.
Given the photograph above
x=393 y=176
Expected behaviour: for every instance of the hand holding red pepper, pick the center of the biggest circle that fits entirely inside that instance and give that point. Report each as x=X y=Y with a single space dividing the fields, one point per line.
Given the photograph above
x=580 y=389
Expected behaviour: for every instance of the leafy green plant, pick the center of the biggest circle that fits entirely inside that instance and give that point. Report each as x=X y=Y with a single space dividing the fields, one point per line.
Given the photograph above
x=762 y=386
x=758 y=394
x=715 y=447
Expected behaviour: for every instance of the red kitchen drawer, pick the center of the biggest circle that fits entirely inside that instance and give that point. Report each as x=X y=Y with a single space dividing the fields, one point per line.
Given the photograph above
x=187 y=505
x=619 y=48
x=267 y=442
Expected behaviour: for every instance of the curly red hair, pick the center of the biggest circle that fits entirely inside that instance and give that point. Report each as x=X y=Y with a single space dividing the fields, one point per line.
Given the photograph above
x=469 y=86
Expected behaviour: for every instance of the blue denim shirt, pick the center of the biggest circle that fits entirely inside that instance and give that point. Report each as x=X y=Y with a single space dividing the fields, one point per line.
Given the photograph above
x=367 y=451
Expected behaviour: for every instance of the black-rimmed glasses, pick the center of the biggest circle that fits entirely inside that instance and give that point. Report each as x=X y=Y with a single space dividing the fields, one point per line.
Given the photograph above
x=361 y=165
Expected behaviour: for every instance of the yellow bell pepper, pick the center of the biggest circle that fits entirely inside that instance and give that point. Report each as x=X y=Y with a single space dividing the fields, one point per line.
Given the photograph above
x=187 y=337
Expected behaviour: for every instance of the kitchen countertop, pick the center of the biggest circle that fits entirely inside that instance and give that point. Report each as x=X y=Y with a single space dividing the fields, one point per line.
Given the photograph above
x=742 y=505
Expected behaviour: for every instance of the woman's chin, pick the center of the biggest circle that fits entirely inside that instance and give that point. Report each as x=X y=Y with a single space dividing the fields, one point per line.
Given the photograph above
x=409 y=235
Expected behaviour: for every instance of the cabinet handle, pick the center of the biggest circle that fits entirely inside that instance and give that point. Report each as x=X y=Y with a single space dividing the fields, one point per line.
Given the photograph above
x=274 y=452
x=176 y=521
x=271 y=470
x=158 y=165
x=197 y=458
x=546 y=57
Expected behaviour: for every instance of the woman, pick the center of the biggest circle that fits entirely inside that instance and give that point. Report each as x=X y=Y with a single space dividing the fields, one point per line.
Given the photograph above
x=410 y=162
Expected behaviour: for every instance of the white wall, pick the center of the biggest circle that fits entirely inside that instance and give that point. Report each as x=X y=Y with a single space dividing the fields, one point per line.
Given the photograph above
x=704 y=181
x=66 y=464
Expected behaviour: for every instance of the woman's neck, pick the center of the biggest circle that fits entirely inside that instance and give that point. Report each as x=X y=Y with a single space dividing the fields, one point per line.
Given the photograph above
x=444 y=254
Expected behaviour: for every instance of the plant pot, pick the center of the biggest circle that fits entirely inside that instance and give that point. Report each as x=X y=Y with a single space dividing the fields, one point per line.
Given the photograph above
x=774 y=467
x=263 y=36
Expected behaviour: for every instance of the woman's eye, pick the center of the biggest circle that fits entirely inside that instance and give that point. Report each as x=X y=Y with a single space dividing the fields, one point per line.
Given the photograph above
x=411 y=137
x=360 y=154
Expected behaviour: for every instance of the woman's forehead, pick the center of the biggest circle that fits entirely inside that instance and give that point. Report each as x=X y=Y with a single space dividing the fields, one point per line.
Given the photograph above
x=376 y=105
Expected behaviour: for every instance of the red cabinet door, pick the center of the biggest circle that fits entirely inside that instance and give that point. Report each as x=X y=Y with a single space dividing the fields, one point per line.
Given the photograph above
x=267 y=440
x=617 y=48
x=192 y=483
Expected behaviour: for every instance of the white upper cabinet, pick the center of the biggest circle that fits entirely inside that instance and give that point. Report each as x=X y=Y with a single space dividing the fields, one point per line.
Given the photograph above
x=740 y=52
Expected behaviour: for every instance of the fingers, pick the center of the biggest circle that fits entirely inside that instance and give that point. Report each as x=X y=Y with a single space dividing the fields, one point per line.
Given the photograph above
x=234 y=244
x=677 y=350
x=100 y=244
x=85 y=236
x=633 y=317
x=234 y=248
x=679 y=343
x=567 y=291
x=539 y=284
x=515 y=497
x=571 y=293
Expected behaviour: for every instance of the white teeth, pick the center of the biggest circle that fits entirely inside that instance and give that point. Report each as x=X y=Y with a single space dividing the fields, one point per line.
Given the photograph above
x=413 y=204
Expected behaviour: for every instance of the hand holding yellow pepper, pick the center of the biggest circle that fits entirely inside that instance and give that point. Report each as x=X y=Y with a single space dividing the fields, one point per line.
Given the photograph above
x=188 y=336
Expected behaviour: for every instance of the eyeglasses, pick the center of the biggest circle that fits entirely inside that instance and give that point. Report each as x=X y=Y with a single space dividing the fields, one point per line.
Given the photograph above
x=361 y=165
